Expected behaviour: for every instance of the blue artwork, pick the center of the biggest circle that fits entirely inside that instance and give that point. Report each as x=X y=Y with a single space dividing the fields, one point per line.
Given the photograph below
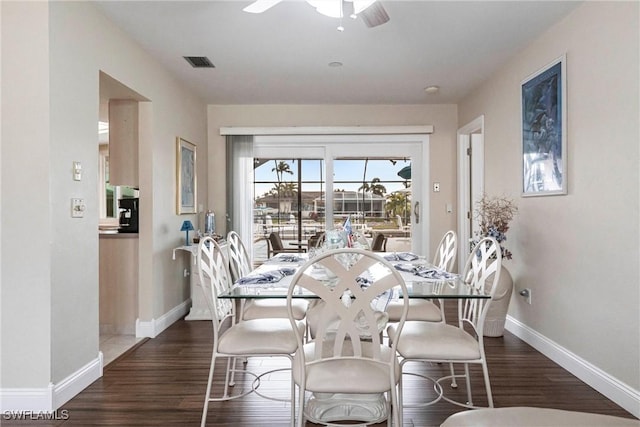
x=543 y=147
x=186 y=177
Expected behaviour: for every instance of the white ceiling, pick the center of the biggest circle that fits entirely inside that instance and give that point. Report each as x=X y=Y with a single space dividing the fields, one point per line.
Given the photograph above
x=281 y=56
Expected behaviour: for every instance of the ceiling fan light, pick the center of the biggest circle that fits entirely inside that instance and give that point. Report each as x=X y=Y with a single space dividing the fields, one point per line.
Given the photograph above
x=260 y=6
x=330 y=8
x=360 y=5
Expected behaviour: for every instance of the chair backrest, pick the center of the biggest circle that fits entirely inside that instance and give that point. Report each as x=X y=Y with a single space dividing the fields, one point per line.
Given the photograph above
x=379 y=243
x=353 y=286
x=276 y=242
x=484 y=261
x=239 y=259
x=213 y=270
x=317 y=240
x=446 y=252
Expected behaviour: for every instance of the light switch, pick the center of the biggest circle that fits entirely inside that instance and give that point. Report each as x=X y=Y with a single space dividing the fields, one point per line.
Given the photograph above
x=77 y=208
x=449 y=208
x=77 y=171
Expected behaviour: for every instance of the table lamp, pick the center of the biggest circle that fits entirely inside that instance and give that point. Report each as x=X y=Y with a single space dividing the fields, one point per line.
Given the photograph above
x=186 y=226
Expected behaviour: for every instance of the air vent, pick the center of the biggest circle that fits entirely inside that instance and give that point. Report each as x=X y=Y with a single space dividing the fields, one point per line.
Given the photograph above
x=199 y=61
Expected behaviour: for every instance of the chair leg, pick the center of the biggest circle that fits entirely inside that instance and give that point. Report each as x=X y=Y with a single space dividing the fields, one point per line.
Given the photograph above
x=293 y=401
x=203 y=421
x=400 y=398
x=227 y=378
x=468 y=379
x=232 y=381
x=454 y=384
x=487 y=384
x=395 y=409
x=301 y=420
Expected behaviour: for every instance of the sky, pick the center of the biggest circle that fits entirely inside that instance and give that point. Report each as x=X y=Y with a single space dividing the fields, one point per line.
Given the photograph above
x=344 y=170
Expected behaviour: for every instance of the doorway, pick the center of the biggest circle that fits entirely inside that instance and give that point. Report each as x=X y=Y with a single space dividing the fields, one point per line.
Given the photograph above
x=470 y=182
x=118 y=254
x=333 y=147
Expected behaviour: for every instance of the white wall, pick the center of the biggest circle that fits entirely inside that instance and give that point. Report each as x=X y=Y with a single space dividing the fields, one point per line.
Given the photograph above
x=578 y=253
x=51 y=300
x=442 y=143
x=26 y=232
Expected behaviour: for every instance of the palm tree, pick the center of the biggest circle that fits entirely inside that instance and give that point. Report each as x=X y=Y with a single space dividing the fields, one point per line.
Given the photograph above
x=364 y=187
x=397 y=204
x=281 y=168
x=289 y=189
x=376 y=188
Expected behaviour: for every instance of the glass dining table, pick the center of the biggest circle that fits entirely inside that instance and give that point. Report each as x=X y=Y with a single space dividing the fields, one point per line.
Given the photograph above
x=273 y=278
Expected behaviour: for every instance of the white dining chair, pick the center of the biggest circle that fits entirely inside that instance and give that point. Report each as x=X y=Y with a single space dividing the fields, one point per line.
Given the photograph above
x=231 y=339
x=424 y=309
x=462 y=343
x=347 y=355
x=239 y=259
x=240 y=266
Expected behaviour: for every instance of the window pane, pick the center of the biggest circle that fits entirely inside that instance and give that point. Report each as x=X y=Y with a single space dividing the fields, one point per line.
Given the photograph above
x=289 y=200
x=290 y=196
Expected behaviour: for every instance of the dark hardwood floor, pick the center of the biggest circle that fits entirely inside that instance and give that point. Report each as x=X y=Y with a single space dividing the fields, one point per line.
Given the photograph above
x=161 y=382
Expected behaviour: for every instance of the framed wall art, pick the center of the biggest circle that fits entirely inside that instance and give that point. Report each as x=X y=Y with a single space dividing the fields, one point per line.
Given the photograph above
x=544 y=131
x=186 y=182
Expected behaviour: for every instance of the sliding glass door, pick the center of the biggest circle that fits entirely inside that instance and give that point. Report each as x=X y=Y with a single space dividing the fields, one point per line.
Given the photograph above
x=303 y=185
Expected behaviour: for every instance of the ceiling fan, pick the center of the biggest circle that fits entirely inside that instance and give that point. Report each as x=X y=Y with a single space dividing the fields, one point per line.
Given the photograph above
x=371 y=11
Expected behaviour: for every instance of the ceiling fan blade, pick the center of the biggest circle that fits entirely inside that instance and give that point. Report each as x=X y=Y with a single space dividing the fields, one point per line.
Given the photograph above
x=260 y=6
x=374 y=15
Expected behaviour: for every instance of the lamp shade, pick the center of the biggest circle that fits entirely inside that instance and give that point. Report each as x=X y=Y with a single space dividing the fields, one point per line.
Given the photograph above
x=186 y=226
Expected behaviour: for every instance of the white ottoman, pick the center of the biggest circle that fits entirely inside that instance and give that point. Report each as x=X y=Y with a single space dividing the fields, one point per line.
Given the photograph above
x=534 y=417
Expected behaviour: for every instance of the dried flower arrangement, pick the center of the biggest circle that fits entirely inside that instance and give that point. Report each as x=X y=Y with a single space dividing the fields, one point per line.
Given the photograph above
x=493 y=215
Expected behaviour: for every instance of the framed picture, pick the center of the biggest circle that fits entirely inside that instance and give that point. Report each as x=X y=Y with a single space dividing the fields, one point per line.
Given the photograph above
x=186 y=183
x=544 y=131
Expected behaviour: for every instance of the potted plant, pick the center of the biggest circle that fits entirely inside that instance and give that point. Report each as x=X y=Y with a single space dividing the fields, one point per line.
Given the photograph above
x=494 y=215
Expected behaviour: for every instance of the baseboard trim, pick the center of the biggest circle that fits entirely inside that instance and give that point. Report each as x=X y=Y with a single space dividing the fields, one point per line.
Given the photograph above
x=50 y=398
x=66 y=389
x=611 y=387
x=152 y=328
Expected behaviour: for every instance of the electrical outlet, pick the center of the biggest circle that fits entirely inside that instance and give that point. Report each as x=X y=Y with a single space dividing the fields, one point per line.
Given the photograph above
x=436 y=187
x=77 y=208
x=526 y=294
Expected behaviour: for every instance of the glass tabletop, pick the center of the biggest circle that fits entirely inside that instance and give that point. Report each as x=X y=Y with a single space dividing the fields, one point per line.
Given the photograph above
x=280 y=269
x=452 y=289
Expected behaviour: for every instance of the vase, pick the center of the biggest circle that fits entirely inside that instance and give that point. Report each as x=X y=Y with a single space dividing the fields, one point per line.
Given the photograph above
x=497 y=313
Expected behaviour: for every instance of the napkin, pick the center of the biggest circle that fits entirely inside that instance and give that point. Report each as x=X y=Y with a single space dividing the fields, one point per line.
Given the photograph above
x=426 y=272
x=401 y=256
x=287 y=258
x=435 y=274
x=363 y=281
x=266 y=277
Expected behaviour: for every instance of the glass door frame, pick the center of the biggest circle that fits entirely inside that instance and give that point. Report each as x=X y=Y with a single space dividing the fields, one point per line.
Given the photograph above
x=331 y=147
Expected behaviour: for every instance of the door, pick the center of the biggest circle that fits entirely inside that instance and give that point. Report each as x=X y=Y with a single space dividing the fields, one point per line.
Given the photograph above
x=361 y=201
x=470 y=183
